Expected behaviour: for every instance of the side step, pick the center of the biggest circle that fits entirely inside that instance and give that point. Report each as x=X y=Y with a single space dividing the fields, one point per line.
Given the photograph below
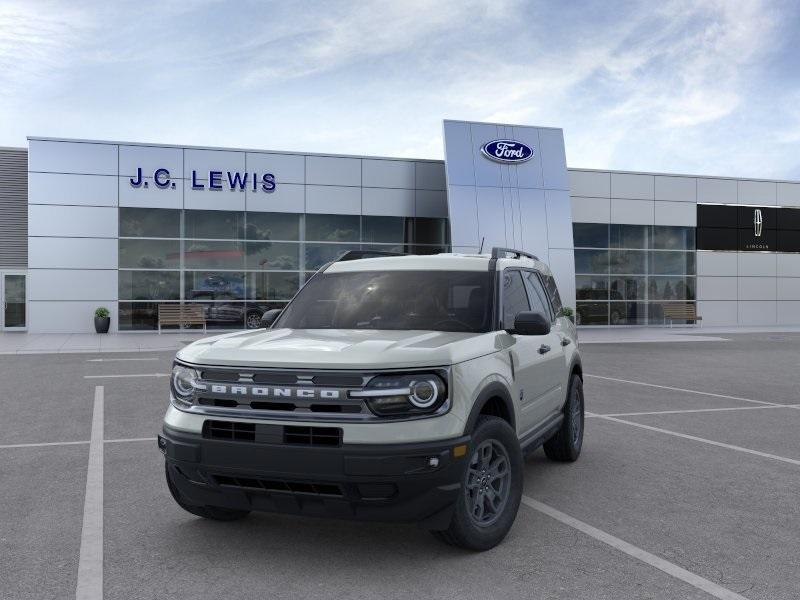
x=541 y=434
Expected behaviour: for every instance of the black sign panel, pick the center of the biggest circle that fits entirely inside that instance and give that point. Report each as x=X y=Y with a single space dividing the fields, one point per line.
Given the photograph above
x=748 y=228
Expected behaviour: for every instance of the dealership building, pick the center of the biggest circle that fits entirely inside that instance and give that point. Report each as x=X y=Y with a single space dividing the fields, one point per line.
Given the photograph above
x=135 y=227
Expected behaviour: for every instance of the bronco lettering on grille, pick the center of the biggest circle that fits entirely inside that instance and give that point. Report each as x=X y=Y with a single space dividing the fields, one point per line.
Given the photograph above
x=275 y=392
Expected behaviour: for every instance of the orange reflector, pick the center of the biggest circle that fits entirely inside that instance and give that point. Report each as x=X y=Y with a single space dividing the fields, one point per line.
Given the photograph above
x=460 y=450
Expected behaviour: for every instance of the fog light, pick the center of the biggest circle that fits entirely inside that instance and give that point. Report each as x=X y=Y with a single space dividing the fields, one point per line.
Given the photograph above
x=433 y=462
x=162 y=445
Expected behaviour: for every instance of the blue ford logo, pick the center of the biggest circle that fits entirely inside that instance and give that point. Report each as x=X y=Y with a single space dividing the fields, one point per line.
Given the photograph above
x=507 y=151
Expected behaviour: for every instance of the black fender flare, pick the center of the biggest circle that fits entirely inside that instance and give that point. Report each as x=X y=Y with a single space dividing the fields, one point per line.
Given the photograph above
x=494 y=389
x=575 y=367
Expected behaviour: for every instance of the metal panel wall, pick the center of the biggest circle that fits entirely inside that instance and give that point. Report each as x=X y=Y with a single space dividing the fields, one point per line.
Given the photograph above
x=13 y=208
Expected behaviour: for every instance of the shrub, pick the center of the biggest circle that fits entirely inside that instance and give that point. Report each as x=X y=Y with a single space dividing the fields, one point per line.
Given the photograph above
x=101 y=313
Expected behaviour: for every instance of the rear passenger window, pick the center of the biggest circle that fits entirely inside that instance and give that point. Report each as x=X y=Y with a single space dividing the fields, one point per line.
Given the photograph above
x=515 y=299
x=538 y=297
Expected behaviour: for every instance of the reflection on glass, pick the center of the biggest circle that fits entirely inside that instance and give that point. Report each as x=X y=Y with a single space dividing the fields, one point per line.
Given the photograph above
x=672 y=263
x=627 y=313
x=591 y=261
x=204 y=285
x=273 y=226
x=628 y=288
x=13 y=301
x=591 y=313
x=138 y=316
x=590 y=235
x=628 y=236
x=149 y=222
x=591 y=287
x=428 y=230
x=673 y=238
x=272 y=286
x=333 y=228
x=671 y=288
x=213 y=255
x=214 y=224
x=149 y=254
x=628 y=261
x=319 y=254
x=386 y=229
x=272 y=255
x=149 y=285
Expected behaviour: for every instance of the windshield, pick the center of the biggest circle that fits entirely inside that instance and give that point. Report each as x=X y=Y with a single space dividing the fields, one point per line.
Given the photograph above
x=431 y=300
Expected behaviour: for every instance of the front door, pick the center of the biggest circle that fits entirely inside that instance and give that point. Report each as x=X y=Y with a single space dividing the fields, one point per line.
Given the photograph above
x=14 y=315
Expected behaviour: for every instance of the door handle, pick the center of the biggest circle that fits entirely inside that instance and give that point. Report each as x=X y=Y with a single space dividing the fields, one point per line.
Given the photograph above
x=565 y=341
x=544 y=349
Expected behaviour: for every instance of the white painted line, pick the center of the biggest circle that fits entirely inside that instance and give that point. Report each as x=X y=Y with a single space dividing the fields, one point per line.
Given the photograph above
x=124 y=440
x=126 y=375
x=691 y=410
x=686 y=436
x=119 y=359
x=43 y=444
x=701 y=583
x=90 y=564
x=675 y=389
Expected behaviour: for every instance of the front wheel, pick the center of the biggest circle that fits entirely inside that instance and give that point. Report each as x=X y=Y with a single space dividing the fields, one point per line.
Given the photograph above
x=215 y=513
x=491 y=488
x=565 y=445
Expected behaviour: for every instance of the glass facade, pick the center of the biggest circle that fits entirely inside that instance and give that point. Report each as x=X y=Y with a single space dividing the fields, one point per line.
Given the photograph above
x=624 y=274
x=239 y=264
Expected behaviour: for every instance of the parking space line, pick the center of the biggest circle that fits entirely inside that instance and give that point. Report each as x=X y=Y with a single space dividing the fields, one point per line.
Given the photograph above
x=43 y=444
x=123 y=440
x=686 y=436
x=90 y=563
x=659 y=563
x=676 y=389
x=692 y=410
x=121 y=359
x=126 y=375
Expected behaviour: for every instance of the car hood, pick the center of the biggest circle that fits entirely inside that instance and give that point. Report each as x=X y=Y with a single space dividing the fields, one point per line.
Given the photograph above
x=339 y=349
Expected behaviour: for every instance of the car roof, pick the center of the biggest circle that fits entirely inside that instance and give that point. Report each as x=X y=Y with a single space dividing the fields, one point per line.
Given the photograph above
x=433 y=262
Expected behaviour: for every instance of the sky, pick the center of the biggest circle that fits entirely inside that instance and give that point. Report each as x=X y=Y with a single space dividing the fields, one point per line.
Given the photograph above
x=697 y=87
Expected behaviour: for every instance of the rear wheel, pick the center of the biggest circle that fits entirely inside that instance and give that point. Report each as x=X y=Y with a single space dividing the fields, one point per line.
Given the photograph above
x=565 y=445
x=216 y=513
x=491 y=488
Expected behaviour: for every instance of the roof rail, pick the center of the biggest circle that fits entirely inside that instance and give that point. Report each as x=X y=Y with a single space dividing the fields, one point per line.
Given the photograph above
x=359 y=254
x=498 y=252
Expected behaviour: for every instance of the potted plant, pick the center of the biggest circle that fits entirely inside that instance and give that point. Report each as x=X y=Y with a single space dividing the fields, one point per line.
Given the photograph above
x=566 y=311
x=102 y=320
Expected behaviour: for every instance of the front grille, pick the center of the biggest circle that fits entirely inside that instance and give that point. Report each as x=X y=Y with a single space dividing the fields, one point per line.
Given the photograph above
x=312 y=436
x=280 y=486
x=273 y=434
x=229 y=430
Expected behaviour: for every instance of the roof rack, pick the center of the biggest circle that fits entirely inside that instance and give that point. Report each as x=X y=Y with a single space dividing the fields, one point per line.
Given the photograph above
x=359 y=254
x=498 y=252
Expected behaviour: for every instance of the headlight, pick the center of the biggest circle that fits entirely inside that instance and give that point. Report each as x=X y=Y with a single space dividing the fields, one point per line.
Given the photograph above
x=404 y=395
x=183 y=384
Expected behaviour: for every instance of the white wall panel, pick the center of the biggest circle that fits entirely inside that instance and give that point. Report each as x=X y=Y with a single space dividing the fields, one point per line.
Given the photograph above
x=757 y=192
x=559 y=219
x=66 y=317
x=150 y=158
x=717 y=190
x=388 y=173
x=788 y=288
x=491 y=217
x=591 y=210
x=287 y=168
x=532 y=205
x=287 y=197
x=562 y=264
x=57 y=188
x=636 y=187
x=328 y=170
x=590 y=184
x=150 y=196
x=717 y=263
x=204 y=161
x=529 y=173
x=757 y=288
x=72 y=253
x=72 y=221
x=72 y=157
x=430 y=176
x=788 y=265
x=632 y=212
x=384 y=201
x=718 y=313
x=788 y=313
x=329 y=199
x=553 y=157
x=72 y=284
x=675 y=213
x=430 y=203
x=464 y=231
x=206 y=199
x=788 y=194
x=717 y=288
x=757 y=313
x=754 y=264
x=676 y=189
x=487 y=172
x=458 y=153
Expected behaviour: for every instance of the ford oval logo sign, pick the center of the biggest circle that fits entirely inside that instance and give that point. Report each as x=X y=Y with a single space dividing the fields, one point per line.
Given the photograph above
x=507 y=151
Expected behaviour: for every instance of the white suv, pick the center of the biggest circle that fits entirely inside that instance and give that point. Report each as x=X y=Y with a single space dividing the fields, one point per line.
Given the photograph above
x=400 y=388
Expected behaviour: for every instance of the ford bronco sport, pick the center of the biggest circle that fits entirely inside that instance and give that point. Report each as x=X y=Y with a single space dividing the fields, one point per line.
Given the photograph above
x=399 y=388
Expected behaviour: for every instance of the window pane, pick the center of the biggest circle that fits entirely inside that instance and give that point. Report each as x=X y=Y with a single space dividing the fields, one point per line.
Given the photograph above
x=424 y=250
x=138 y=316
x=656 y=312
x=273 y=226
x=672 y=263
x=628 y=288
x=209 y=285
x=149 y=285
x=671 y=288
x=536 y=295
x=333 y=228
x=272 y=286
x=149 y=222
x=627 y=313
x=673 y=238
x=552 y=291
x=213 y=255
x=591 y=288
x=272 y=255
x=430 y=231
x=386 y=229
x=319 y=254
x=515 y=299
x=222 y=315
x=628 y=261
x=216 y=224
x=628 y=236
x=149 y=254
x=591 y=313
x=591 y=261
x=590 y=235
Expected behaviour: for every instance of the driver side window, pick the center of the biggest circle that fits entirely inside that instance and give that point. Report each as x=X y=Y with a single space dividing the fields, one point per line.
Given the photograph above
x=515 y=299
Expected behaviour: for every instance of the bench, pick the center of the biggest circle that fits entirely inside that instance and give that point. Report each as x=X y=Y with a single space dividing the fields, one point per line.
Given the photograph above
x=681 y=312
x=181 y=315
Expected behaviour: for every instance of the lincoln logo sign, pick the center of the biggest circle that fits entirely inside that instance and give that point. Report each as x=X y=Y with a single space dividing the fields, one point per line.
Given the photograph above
x=212 y=180
x=507 y=151
x=758 y=222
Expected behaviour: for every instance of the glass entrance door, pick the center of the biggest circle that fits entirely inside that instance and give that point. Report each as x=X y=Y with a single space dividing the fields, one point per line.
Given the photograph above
x=12 y=291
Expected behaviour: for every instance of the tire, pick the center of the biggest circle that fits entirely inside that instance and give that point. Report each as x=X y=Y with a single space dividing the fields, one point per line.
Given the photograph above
x=252 y=320
x=494 y=439
x=565 y=445
x=215 y=513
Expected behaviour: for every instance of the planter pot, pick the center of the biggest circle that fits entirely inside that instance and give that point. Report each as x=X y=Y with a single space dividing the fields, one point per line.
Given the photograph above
x=101 y=324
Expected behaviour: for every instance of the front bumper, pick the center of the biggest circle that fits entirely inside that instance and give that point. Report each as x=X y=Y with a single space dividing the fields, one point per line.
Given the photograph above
x=416 y=482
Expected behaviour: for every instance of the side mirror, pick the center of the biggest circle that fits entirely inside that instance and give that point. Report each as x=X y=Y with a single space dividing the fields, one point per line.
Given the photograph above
x=531 y=323
x=269 y=317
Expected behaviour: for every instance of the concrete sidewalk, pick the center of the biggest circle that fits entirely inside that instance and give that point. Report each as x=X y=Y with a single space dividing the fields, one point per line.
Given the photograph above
x=56 y=343
x=629 y=335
